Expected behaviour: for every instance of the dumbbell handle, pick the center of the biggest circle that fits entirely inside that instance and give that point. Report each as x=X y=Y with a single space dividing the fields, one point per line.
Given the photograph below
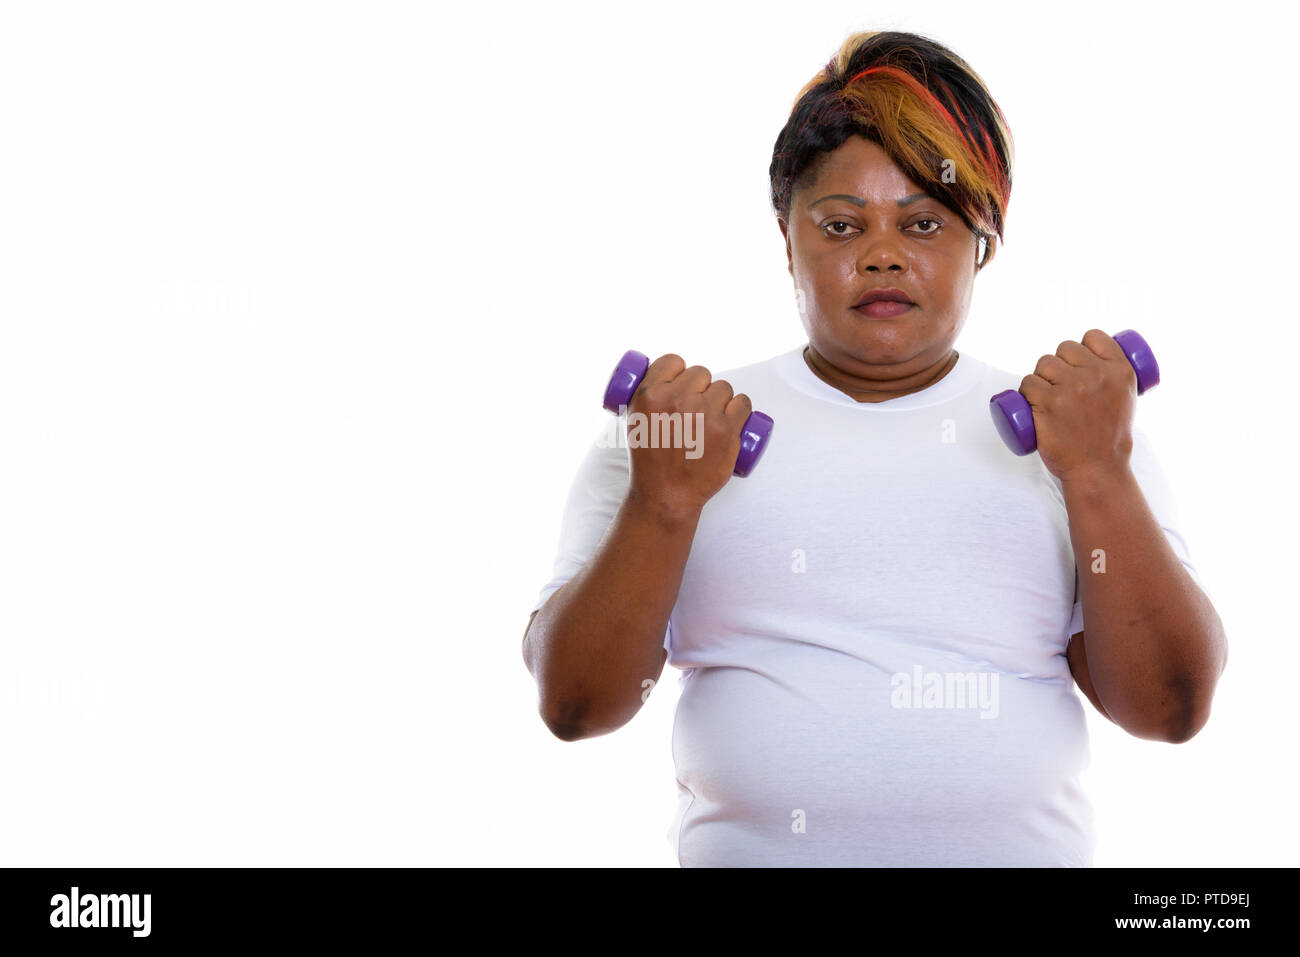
x=1015 y=420
x=629 y=372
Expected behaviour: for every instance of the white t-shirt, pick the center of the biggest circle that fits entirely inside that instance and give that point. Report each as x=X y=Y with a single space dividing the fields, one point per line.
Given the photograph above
x=872 y=629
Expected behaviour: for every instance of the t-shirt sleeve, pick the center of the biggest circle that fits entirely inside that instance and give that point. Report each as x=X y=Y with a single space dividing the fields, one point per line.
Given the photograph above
x=598 y=490
x=1151 y=479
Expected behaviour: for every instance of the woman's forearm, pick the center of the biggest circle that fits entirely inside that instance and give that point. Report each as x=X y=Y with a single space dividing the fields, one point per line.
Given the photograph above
x=1156 y=646
x=594 y=643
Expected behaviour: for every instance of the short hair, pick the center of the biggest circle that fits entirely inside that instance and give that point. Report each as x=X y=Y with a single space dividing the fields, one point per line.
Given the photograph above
x=924 y=106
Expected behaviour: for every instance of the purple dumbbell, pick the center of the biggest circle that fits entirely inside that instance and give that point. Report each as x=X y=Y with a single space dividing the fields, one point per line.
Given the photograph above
x=629 y=372
x=1015 y=421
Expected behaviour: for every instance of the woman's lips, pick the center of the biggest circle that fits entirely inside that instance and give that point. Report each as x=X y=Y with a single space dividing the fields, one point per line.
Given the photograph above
x=884 y=309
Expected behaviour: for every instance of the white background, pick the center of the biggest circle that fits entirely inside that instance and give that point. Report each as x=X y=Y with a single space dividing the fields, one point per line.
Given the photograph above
x=307 y=309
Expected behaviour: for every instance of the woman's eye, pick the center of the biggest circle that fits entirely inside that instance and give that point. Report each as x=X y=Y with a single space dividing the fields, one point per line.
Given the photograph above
x=838 y=222
x=934 y=222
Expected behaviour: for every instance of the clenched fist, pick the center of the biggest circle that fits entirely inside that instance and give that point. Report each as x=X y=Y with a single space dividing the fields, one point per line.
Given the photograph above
x=684 y=433
x=1083 y=399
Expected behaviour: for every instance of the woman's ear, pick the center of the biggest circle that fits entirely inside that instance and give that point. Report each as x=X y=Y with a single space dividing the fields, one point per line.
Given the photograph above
x=789 y=253
x=985 y=246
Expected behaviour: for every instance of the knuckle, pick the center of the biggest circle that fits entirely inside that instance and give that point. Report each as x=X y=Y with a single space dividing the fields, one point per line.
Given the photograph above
x=651 y=395
x=670 y=365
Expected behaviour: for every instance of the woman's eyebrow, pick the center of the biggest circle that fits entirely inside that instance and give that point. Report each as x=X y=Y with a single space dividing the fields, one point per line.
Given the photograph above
x=859 y=201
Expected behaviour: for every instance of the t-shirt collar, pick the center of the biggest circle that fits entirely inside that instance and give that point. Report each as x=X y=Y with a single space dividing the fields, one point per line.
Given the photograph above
x=964 y=375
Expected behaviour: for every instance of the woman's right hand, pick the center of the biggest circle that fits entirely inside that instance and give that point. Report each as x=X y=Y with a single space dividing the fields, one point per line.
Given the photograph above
x=681 y=479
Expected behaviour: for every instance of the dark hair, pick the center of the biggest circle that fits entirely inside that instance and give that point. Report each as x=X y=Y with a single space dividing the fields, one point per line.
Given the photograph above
x=923 y=105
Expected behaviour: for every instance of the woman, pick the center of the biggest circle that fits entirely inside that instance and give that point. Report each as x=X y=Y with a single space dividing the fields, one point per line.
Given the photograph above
x=881 y=628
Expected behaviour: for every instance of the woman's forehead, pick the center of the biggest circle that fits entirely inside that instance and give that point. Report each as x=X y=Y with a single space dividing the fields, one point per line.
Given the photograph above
x=862 y=169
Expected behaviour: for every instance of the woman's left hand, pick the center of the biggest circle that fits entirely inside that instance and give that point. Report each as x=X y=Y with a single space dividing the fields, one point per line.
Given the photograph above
x=1083 y=400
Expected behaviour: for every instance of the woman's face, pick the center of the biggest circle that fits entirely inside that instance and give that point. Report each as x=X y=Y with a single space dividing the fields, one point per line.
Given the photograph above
x=863 y=225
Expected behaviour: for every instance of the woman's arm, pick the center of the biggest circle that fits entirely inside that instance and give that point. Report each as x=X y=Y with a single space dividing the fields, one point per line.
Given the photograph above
x=602 y=634
x=1156 y=646
x=598 y=638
